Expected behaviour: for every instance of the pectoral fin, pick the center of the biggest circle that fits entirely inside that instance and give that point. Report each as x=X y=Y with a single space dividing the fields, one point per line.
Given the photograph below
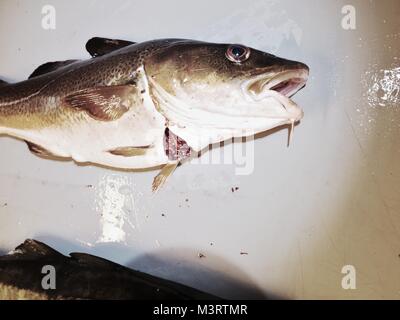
x=103 y=103
x=130 y=151
x=101 y=46
x=163 y=175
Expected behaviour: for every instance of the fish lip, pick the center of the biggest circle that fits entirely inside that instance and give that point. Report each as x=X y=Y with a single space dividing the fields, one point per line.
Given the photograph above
x=287 y=83
x=263 y=86
x=296 y=79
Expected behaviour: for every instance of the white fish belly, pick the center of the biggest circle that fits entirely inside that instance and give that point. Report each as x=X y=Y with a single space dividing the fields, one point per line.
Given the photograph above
x=90 y=140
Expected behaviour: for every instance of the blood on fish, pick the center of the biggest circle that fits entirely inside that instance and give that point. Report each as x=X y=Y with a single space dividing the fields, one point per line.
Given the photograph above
x=175 y=147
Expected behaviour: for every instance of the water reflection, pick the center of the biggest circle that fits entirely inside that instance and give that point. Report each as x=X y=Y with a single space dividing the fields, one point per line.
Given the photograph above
x=115 y=202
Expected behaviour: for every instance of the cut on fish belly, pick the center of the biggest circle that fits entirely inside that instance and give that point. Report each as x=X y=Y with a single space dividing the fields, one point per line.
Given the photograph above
x=150 y=104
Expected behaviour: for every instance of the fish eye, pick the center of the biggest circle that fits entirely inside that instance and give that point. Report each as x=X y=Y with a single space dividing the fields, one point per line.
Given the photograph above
x=237 y=53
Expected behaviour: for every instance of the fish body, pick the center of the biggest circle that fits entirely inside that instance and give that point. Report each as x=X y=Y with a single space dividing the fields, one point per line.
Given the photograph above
x=24 y=274
x=35 y=110
x=149 y=104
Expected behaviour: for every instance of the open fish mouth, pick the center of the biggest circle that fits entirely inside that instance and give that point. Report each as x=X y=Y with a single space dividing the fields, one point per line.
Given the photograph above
x=286 y=83
x=281 y=86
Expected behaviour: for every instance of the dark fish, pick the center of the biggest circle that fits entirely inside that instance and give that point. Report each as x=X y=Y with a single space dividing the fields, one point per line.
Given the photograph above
x=81 y=276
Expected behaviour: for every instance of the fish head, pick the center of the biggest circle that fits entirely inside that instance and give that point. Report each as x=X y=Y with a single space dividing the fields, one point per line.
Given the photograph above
x=213 y=92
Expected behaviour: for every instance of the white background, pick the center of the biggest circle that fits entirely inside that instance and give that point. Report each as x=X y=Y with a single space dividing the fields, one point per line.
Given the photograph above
x=330 y=199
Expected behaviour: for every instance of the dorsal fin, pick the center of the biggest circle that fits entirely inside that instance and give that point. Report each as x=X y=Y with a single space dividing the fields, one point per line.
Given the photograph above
x=31 y=249
x=49 y=67
x=101 y=46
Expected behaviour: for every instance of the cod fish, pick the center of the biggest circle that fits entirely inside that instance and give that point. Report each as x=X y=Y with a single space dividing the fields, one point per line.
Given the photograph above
x=152 y=104
x=80 y=276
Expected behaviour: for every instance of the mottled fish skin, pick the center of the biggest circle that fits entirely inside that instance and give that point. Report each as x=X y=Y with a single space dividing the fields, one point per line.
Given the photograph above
x=41 y=96
x=114 y=109
x=34 y=110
